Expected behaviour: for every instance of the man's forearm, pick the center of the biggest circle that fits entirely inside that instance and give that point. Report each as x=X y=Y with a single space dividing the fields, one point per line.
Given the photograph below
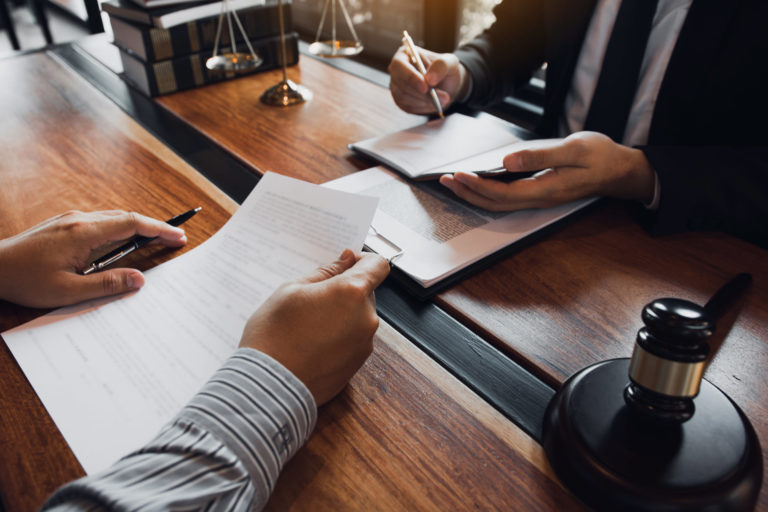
x=225 y=449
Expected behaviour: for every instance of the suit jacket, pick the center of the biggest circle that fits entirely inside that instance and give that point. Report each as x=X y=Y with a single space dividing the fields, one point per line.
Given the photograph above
x=708 y=140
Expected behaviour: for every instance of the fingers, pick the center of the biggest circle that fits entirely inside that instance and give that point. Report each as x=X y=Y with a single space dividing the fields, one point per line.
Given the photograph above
x=344 y=262
x=543 y=154
x=408 y=94
x=543 y=190
x=479 y=192
x=110 y=282
x=410 y=89
x=409 y=100
x=370 y=270
x=367 y=270
x=436 y=72
x=114 y=226
x=405 y=74
x=568 y=173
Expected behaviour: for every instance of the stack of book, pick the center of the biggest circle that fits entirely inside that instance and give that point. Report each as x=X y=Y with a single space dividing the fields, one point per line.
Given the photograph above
x=164 y=44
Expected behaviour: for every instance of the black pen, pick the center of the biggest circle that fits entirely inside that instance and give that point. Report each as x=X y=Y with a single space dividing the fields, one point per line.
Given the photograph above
x=135 y=243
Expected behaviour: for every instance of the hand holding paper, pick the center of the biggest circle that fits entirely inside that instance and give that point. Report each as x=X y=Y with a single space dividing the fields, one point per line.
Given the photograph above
x=110 y=373
x=321 y=327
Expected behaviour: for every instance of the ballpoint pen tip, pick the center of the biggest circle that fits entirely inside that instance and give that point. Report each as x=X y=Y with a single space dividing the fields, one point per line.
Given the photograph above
x=198 y=209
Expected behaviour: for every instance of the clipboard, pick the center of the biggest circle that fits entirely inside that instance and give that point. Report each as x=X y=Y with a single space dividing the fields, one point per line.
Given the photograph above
x=411 y=286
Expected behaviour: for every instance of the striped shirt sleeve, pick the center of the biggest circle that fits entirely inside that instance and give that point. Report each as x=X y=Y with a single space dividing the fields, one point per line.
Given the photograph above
x=223 y=451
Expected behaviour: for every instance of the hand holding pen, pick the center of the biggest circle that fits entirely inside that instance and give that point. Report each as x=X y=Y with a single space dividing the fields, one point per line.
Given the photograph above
x=136 y=243
x=410 y=87
x=415 y=58
x=42 y=266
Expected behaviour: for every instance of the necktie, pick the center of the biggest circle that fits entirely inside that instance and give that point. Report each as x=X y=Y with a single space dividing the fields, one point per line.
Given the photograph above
x=619 y=75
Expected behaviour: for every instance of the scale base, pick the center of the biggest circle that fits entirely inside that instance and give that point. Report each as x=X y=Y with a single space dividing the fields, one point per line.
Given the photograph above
x=286 y=93
x=332 y=49
x=614 y=459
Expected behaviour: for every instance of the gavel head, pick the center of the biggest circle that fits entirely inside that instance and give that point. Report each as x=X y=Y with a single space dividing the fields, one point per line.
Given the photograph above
x=669 y=360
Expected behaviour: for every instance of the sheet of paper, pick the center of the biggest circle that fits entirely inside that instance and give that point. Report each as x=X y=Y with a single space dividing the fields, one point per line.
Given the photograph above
x=438 y=233
x=440 y=144
x=112 y=372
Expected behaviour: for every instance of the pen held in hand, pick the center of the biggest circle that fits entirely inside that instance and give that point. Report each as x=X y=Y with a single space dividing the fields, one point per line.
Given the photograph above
x=136 y=243
x=415 y=59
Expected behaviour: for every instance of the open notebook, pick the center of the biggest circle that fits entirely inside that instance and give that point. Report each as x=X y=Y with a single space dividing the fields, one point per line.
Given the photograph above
x=440 y=146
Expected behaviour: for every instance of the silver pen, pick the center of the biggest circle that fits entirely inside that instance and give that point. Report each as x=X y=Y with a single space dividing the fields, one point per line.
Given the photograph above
x=410 y=48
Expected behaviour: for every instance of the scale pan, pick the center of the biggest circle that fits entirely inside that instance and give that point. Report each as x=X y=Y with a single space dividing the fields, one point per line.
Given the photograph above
x=335 y=48
x=233 y=62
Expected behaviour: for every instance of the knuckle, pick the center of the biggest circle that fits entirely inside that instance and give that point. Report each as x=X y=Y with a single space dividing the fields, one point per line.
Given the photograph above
x=394 y=65
x=75 y=221
x=438 y=65
x=111 y=283
x=355 y=290
x=327 y=271
x=373 y=325
x=132 y=218
x=415 y=82
x=288 y=290
x=577 y=145
x=382 y=265
x=526 y=159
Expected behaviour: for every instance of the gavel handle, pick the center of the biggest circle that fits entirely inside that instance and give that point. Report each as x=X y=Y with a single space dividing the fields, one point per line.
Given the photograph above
x=728 y=295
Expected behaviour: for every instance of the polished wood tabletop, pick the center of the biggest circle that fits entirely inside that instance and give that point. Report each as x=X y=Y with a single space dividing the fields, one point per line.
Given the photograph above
x=570 y=300
x=405 y=434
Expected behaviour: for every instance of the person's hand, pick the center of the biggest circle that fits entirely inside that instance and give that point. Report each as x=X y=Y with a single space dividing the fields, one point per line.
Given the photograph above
x=40 y=267
x=585 y=164
x=321 y=327
x=410 y=89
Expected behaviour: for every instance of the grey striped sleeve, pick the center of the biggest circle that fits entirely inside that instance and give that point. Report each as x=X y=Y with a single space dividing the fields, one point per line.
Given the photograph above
x=223 y=451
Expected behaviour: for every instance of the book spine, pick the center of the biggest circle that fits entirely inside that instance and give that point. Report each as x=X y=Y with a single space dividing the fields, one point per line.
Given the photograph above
x=200 y=35
x=189 y=71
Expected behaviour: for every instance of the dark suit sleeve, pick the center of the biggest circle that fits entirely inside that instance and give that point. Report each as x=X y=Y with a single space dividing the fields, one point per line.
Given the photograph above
x=507 y=53
x=711 y=188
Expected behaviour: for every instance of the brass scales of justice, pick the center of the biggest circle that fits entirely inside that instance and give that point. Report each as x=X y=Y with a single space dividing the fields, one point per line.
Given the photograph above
x=286 y=92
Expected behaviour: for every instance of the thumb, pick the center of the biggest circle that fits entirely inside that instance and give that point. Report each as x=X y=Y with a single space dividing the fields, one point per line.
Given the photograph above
x=102 y=284
x=436 y=72
x=343 y=263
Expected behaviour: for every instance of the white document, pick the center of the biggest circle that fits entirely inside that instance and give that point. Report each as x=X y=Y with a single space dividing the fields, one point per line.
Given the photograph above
x=455 y=143
x=112 y=372
x=430 y=234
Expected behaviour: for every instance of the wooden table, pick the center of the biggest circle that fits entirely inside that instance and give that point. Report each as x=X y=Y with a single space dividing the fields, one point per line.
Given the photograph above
x=406 y=433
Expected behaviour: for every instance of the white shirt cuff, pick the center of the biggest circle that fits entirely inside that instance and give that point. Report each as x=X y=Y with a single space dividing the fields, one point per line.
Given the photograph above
x=654 y=204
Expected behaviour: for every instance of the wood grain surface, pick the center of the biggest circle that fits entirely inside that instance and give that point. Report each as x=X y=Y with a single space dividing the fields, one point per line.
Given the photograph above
x=66 y=147
x=571 y=299
x=404 y=435
x=307 y=141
